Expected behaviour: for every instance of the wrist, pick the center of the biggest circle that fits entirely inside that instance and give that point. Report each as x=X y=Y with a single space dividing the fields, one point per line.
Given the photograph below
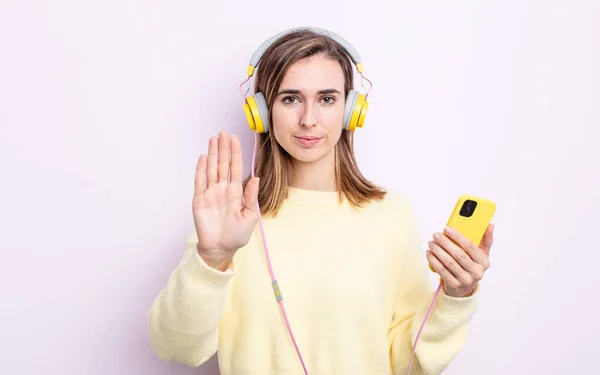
x=456 y=294
x=218 y=260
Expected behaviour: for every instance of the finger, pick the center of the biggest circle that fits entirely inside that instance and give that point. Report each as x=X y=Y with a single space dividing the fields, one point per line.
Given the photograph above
x=488 y=239
x=251 y=194
x=236 y=161
x=451 y=265
x=223 y=164
x=200 y=179
x=213 y=156
x=460 y=255
x=467 y=245
x=438 y=266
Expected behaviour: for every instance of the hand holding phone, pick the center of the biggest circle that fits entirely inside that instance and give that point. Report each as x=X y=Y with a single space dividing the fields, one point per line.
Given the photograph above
x=460 y=254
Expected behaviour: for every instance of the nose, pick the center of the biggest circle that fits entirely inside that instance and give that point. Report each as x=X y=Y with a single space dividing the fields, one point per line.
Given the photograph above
x=309 y=115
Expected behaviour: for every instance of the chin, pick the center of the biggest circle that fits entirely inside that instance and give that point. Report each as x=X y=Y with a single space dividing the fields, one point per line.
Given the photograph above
x=308 y=155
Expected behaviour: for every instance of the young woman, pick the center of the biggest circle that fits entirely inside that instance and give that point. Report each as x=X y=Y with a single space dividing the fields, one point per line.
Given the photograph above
x=346 y=252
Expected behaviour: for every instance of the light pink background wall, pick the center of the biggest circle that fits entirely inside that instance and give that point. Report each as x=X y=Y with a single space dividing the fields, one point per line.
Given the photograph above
x=105 y=106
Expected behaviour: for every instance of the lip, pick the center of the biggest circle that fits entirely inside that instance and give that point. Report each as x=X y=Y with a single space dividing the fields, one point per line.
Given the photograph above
x=307 y=140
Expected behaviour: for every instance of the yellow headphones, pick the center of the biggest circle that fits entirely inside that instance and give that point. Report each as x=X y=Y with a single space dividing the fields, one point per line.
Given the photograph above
x=257 y=111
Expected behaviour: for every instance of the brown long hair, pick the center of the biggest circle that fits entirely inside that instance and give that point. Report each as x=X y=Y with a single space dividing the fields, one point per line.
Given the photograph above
x=274 y=165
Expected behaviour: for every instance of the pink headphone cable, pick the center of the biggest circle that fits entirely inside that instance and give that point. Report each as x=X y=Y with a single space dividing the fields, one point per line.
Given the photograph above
x=278 y=291
x=273 y=280
x=435 y=296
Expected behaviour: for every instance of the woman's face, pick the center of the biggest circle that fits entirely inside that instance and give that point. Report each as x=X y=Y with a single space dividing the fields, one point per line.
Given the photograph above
x=308 y=110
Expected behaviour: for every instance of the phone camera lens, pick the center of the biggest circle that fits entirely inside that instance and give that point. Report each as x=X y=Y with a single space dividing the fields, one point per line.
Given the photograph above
x=468 y=208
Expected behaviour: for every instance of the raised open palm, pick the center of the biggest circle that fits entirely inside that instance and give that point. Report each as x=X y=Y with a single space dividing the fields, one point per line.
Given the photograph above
x=224 y=214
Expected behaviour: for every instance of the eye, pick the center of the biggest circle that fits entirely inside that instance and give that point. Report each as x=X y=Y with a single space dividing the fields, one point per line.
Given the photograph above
x=289 y=100
x=329 y=100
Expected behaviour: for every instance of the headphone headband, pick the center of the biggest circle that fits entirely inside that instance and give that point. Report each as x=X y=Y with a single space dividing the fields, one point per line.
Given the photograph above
x=350 y=50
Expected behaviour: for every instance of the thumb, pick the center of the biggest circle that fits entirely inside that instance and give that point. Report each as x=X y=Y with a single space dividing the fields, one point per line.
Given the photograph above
x=251 y=194
x=488 y=239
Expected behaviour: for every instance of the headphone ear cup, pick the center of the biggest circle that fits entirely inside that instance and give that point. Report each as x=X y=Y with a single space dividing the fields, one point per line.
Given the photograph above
x=350 y=103
x=257 y=113
x=263 y=109
x=356 y=110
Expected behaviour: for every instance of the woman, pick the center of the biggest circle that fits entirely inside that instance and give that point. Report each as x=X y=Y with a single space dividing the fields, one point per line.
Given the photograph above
x=346 y=252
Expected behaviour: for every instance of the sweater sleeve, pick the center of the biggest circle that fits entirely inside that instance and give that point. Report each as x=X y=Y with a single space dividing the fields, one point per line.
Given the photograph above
x=445 y=331
x=184 y=318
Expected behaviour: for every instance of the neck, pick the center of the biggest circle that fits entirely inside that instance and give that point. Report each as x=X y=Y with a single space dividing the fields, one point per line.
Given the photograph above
x=318 y=175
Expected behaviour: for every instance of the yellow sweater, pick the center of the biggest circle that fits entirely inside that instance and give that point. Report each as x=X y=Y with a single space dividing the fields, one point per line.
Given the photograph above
x=355 y=284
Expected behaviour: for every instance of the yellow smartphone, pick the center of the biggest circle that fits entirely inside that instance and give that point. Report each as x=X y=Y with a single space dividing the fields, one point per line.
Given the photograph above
x=471 y=217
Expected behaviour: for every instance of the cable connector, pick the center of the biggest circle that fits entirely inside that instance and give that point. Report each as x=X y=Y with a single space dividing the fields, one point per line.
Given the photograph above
x=278 y=295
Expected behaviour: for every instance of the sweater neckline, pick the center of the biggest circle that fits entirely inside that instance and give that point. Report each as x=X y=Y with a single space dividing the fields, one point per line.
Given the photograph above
x=313 y=198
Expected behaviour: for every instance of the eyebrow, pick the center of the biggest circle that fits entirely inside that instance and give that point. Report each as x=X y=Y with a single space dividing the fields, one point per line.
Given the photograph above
x=296 y=92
